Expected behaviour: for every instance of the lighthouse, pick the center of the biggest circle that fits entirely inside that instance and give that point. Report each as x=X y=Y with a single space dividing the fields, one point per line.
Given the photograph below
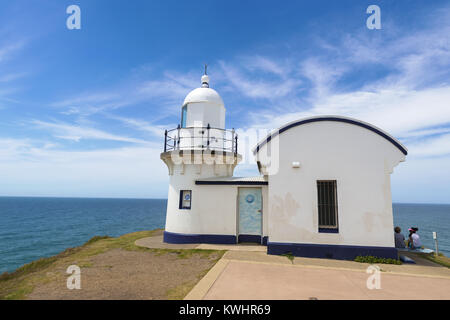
x=199 y=148
x=323 y=189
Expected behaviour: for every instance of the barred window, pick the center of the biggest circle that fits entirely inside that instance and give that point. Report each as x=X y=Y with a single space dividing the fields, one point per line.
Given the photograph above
x=327 y=202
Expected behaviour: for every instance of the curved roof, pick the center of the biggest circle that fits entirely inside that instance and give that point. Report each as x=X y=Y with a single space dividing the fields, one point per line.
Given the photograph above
x=203 y=95
x=356 y=122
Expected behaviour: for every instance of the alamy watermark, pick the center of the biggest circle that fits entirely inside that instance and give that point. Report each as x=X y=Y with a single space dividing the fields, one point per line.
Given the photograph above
x=374 y=280
x=74 y=20
x=74 y=280
x=374 y=20
x=200 y=145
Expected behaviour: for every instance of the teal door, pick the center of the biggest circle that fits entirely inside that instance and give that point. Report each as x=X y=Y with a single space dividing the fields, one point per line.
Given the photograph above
x=250 y=215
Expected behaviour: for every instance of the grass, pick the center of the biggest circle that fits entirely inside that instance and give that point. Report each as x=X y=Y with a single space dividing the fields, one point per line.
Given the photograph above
x=18 y=284
x=181 y=291
x=440 y=259
x=185 y=253
x=42 y=263
x=372 y=259
x=290 y=256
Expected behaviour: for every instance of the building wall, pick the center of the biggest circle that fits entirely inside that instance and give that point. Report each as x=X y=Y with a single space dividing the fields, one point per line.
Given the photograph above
x=213 y=207
x=265 y=210
x=199 y=114
x=360 y=160
x=203 y=217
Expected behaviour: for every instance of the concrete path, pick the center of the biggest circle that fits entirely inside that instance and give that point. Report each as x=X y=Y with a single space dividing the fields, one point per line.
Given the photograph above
x=423 y=268
x=256 y=275
x=252 y=280
x=156 y=242
x=246 y=271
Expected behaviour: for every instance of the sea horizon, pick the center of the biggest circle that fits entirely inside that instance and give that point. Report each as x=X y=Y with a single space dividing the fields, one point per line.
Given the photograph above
x=139 y=198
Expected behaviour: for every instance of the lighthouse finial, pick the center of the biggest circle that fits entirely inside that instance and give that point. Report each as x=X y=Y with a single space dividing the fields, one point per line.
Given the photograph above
x=205 y=78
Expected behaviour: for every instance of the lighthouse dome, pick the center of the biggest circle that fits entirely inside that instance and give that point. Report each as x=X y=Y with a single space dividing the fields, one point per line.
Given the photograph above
x=203 y=107
x=204 y=95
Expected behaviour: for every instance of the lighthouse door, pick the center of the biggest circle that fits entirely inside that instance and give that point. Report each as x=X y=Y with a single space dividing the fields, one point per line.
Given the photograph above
x=250 y=215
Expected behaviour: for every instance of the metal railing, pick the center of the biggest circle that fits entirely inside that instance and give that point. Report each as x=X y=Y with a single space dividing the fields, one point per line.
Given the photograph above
x=200 y=138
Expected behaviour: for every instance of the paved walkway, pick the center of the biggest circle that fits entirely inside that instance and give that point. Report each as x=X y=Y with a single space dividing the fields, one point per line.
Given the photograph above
x=236 y=280
x=256 y=275
x=246 y=271
x=157 y=243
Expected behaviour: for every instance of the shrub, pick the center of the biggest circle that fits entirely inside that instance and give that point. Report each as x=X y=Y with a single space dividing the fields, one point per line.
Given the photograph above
x=289 y=255
x=372 y=259
x=95 y=239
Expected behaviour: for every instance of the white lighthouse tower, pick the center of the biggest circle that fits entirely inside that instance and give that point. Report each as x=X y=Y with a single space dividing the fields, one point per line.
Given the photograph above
x=199 y=148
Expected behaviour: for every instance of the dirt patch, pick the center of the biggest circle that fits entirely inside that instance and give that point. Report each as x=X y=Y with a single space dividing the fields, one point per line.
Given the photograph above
x=122 y=274
x=112 y=268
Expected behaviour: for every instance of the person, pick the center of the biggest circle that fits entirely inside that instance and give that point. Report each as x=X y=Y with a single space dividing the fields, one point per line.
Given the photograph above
x=416 y=243
x=410 y=241
x=399 y=238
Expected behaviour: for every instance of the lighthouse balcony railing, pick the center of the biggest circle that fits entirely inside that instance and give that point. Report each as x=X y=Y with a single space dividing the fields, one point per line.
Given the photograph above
x=200 y=138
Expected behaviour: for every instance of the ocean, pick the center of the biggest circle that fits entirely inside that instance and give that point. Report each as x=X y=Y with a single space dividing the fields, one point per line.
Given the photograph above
x=32 y=228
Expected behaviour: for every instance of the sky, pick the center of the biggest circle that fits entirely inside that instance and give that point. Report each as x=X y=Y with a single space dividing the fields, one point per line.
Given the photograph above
x=83 y=112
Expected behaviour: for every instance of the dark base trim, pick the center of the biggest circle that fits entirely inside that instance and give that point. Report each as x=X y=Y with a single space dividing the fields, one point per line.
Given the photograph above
x=341 y=252
x=233 y=183
x=171 y=237
x=249 y=238
x=328 y=230
x=265 y=240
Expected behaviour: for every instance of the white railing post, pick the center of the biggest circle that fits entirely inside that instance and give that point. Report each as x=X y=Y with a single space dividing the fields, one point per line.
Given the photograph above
x=436 y=242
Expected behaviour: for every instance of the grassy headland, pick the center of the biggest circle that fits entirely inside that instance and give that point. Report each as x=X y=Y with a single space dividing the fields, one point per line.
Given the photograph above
x=440 y=259
x=104 y=258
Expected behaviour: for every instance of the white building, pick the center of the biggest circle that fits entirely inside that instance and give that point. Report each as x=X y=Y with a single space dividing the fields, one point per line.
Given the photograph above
x=324 y=189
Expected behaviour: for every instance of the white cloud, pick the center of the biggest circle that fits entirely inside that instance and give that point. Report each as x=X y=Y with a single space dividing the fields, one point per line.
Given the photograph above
x=258 y=88
x=261 y=63
x=12 y=148
x=403 y=113
x=437 y=146
x=7 y=50
x=396 y=110
x=165 y=94
x=321 y=75
x=76 y=133
x=36 y=168
x=427 y=132
x=12 y=76
x=156 y=130
x=409 y=98
x=87 y=99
